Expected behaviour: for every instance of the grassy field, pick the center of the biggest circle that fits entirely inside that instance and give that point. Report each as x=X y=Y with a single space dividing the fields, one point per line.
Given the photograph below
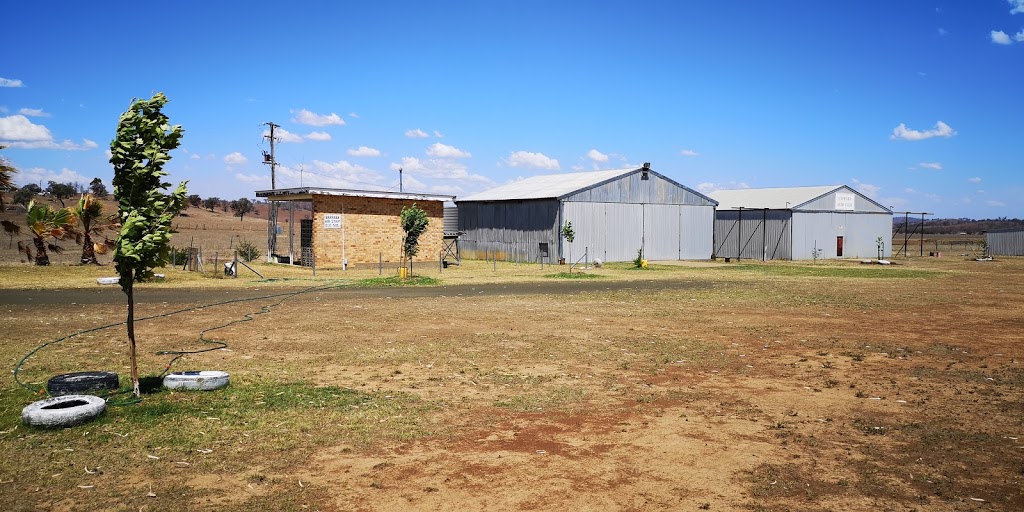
x=781 y=386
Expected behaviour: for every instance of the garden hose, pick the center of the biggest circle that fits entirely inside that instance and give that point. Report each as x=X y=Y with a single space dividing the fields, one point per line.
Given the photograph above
x=247 y=317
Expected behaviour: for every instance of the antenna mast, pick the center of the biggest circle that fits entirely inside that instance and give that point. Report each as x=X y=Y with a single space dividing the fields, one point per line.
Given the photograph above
x=400 y=189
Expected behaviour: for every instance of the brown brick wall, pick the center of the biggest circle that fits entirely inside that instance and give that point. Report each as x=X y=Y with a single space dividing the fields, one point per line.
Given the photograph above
x=371 y=226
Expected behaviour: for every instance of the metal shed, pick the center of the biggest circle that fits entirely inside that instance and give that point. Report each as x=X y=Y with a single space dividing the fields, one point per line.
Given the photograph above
x=614 y=213
x=1005 y=242
x=791 y=223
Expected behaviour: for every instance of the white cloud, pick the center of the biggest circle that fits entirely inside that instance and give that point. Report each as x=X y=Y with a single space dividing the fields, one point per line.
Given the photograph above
x=235 y=158
x=416 y=134
x=931 y=165
x=340 y=174
x=997 y=204
x=3 y=109
x=1018 y=6
x=353 y=115
x=19 y=128
x=107 y=153
x=41 y=175
x=313 y=119
x=253 y=179
x=318 y=136
x=974 y=179
x=440 y=169
x=438 y=134
x=284 y=135
x=364 y=151
x=597 y=156
x=18 y=132
x=33 y=112
x=927 y=195
x=1019 y=36
x=438 y=150
x=943 y=32
x=941 y=130
x=532 y=160
x=195 y=157
x=1000 y=37
x=689 y=152
x=8 y=82
x=866 y=188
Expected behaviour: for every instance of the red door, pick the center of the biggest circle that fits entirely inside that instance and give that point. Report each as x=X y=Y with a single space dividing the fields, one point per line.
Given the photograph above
x=839 y=247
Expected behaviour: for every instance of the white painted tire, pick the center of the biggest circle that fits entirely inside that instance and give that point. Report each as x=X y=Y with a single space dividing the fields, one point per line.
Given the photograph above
x=197 y=381
x=63 y=411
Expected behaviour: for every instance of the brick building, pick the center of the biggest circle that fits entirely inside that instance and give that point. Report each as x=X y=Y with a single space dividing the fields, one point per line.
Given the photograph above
x=357 y=226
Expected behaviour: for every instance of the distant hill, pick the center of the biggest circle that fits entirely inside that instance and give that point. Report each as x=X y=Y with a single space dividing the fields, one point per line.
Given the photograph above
x=957 y=226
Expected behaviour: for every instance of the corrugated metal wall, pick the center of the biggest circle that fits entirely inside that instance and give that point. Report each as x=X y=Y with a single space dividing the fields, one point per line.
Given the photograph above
x=828 y=203
x=860 y=232
x=1005 y=243
x=616 y=231
x=509 y=230
x=612 y=221
x=759 y=234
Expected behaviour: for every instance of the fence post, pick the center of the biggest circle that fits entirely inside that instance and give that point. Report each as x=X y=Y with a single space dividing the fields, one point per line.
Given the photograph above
x=380 y=263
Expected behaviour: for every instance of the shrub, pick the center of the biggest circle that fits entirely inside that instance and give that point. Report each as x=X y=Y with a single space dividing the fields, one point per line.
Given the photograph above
x=248 y=251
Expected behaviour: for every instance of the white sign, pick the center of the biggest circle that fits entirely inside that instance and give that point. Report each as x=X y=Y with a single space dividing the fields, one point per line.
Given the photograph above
x=332 y=221
x=844 y=202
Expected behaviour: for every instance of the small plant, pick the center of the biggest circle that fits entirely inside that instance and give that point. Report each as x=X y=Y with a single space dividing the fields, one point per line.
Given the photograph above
x=569 y=235
x=816 y=254
x=248 y=251
x=639 y=261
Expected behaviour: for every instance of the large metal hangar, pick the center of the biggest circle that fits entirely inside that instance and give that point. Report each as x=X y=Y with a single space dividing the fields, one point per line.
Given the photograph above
x=614 y=214
x=793 y=223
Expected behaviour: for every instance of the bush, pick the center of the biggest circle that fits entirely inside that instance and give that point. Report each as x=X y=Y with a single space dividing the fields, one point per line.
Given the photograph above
x=248 y=251
x=639 y=261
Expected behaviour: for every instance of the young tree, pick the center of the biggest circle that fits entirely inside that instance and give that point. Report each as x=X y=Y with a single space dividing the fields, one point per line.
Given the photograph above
x=569 y=235
x=7 y=172
x=61 y=191
x=414 y=223
x=98 y=189
x=90 y=213
x=211 y=203
x=44 y=222
x=242 y=206
x=138 y=153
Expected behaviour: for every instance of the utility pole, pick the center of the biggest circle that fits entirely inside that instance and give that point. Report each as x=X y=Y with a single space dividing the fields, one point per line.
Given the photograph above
x=272 y=215
x=400 y=180
x=269 y=159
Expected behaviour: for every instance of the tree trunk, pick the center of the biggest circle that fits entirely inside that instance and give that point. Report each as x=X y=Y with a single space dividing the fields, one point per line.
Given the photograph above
x=42 y=259
x=88 y=252
x=131 y=331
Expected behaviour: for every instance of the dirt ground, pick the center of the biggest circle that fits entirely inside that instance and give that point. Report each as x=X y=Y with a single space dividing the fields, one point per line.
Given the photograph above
x=761 y=387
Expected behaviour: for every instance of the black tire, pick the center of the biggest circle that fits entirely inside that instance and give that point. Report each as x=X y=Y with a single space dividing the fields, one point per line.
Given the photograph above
x=81 y=383
x=63 y=411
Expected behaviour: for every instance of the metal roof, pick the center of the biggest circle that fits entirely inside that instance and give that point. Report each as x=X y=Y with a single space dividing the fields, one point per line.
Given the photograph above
x=548 y=186
x=787 y=198
x=307 y=193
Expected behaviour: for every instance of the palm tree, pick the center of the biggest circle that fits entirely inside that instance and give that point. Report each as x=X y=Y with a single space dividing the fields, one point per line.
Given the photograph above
x=45 y=221
x=6 y=177
x=89 y=212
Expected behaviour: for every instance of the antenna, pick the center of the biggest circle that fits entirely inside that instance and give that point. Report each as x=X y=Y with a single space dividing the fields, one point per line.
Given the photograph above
x=400 y=189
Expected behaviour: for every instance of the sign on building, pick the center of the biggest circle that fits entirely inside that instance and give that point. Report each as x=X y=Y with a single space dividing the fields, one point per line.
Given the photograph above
x=332 y=221
x=844 y=202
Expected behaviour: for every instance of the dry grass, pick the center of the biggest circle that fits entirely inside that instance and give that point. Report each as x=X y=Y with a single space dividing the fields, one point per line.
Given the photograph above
x=785 y=386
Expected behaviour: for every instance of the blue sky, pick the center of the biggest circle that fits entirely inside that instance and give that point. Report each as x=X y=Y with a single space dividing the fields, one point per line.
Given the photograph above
x=917 y=104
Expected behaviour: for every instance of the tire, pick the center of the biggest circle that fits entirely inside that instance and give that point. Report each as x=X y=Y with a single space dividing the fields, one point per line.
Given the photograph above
x=197 y=381
x=63 y=411
x=81 y=383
